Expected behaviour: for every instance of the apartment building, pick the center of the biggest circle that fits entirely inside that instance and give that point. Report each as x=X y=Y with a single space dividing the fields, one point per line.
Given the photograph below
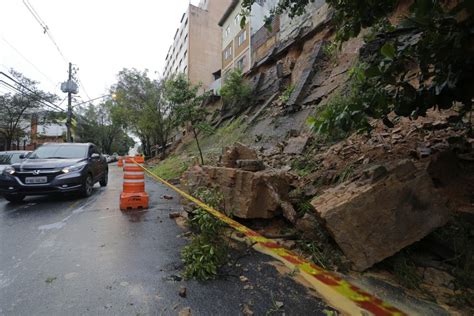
x=236 y=40
x=196 y=47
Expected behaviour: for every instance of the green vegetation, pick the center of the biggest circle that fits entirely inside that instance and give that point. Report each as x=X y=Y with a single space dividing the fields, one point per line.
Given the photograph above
x=187 y=106
x=208 y=249
x=16 y=107
x=460 y=235
x=285 y=96
x=404 y=270
x=323 y=253
x=423 y=62
x=96 y=124
x=171 y=168
x=235 y=91
x=140 y=108
x=345 y=111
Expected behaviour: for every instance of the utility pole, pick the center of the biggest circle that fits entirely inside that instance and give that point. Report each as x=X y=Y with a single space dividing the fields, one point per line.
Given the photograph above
x=69 y=87
x=69 y=108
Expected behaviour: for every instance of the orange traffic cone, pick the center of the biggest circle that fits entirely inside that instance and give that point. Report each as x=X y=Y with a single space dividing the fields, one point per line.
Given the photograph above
x=120 y=162
x=133 y=195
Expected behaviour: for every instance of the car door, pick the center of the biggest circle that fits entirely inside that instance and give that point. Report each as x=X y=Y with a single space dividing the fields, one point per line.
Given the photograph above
x=94 y=163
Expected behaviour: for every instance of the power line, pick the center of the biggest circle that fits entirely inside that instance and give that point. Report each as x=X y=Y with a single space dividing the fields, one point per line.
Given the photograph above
x=47 y=31
x=15 y=89
x=28 y=61
x=44 y=27
x=25 y=87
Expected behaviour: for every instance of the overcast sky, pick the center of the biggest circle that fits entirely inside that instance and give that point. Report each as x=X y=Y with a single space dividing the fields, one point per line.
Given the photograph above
x=99 y=36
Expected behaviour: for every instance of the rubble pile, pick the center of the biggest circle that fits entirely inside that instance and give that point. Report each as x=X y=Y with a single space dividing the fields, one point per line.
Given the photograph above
x=249 y=192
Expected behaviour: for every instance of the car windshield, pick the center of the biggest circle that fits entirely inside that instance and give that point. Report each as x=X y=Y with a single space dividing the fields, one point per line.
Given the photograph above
x=60 y=152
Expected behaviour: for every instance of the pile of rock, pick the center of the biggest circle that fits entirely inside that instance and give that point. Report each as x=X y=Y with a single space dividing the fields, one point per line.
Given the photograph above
x=249 y=191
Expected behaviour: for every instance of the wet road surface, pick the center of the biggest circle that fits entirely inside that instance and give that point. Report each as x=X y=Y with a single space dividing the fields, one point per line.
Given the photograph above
x=72 y=256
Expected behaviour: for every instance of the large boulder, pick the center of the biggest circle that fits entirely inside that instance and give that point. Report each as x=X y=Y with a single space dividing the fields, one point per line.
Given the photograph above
x=372 y=219
x=262 y=194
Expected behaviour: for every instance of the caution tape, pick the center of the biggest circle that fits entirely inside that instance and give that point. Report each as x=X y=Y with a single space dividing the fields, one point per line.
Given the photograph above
x=341 y=294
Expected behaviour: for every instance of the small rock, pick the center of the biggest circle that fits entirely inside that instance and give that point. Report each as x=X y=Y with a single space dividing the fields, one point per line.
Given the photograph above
x=248 y=287
x=279 y=304
x=185 y=312
x=182 y=291
x=243 y=278
x=167 y=197
x=437 y=277
x=423 y=152
x=374 y=173
x=247 y=311
x=174 y=215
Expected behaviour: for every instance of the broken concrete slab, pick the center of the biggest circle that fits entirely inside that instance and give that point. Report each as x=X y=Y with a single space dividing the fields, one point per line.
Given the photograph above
x=372 y=221
x=262 y=194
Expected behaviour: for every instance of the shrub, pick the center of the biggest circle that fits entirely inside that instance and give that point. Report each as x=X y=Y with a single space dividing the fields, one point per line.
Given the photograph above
x=208 y=249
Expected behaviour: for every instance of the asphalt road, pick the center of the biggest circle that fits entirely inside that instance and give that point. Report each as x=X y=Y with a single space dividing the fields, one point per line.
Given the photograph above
x=72 y=256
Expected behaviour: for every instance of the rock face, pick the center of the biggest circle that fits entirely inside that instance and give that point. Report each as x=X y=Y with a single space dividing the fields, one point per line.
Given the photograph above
x=296 y=145
x=236 y=152
x=250 y=165
x=372 y=220
x=262 y=194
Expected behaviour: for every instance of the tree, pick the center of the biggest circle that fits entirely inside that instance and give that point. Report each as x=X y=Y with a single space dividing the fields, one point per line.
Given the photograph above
x=187 y=105
x=96 y=125
x=15 y=108
x=142 y=109
x=236 y=92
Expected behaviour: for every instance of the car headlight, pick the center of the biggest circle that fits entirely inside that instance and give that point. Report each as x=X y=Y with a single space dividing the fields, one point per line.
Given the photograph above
x=9 y=171
x=74 y=168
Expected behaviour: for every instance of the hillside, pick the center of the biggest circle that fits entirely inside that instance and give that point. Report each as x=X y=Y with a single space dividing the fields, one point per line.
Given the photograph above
x=396 y=202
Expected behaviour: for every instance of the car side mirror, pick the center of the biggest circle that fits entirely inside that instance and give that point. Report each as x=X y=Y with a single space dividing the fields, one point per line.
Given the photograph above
x=95 y=156
x=22 y=156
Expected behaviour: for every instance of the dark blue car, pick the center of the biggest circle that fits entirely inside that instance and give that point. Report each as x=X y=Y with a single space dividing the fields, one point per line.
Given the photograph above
x=55 y=168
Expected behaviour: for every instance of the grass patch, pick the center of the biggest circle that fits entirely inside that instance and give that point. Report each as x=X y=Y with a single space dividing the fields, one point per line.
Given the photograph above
x=171 y=168
x=212 y=144
x=304 y=166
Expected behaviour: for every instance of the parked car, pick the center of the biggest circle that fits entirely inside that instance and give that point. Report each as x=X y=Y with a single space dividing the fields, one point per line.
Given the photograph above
x=54 y=168
x=7 y=158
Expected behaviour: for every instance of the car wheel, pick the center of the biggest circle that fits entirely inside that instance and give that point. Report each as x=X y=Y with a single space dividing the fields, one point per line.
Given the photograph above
x=14 y=198
x=88 y=186
x=103 y=182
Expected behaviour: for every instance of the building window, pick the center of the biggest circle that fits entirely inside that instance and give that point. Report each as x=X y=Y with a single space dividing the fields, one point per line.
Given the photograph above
x=242 y=37
x=227 y=31
x=185 y=54
x=241 y=63
x=237 y=19
x=228 y=53
x=185 y=71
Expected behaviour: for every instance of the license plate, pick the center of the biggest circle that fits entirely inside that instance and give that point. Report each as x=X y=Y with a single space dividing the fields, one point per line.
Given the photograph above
x=36 y=180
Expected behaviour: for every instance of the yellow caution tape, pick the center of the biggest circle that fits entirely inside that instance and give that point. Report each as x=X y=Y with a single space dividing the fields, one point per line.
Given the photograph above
x=341 y=294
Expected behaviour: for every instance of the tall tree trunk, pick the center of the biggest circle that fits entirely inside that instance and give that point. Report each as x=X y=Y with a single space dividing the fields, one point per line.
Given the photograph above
x=198 y=146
